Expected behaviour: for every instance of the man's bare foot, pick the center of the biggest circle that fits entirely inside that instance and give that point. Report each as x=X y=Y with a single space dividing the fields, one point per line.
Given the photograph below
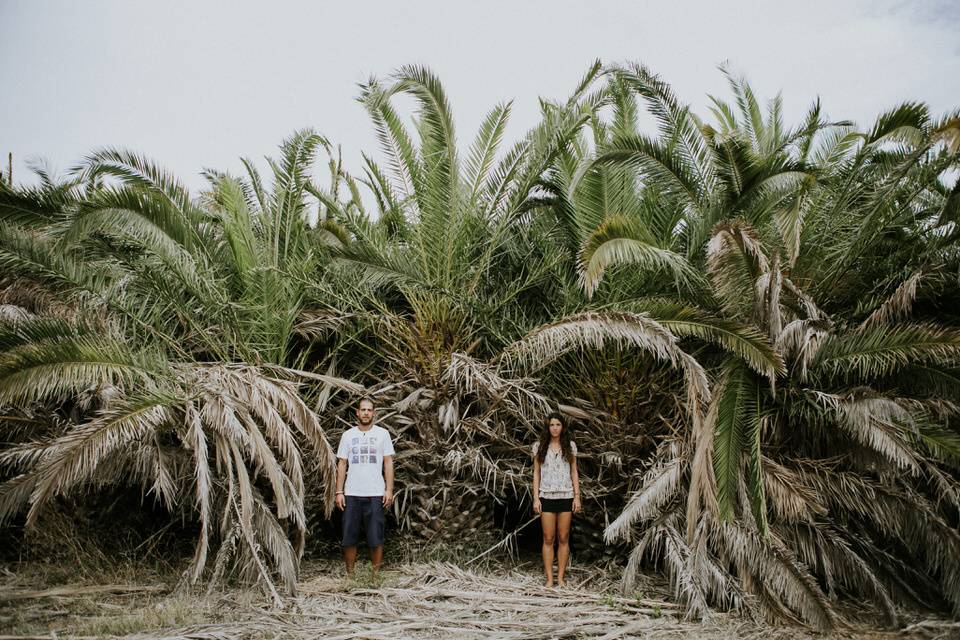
x=561 y=584
x=549 y=584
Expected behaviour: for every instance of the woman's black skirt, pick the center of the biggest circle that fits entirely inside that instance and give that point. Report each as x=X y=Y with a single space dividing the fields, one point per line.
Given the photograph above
x=556 y=505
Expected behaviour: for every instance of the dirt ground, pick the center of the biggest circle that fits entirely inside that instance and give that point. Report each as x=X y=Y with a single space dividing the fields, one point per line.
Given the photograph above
x=411 y=601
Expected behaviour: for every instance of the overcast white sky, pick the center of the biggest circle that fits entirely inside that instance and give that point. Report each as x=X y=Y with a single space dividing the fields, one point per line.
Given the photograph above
x=199 y=84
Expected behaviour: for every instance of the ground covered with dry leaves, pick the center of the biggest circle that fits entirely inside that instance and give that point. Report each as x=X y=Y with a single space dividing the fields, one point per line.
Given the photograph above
x=411 y=601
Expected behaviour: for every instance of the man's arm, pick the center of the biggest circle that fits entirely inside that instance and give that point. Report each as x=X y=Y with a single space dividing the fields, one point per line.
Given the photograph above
x=388 y=479
x=341 y=479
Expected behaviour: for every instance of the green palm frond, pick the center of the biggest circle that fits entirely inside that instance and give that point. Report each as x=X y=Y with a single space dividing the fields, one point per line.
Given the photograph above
x=39 y=258
x=658 y=165
x=744 y=341
x=880 y=351
x=34 y=207
x=736 y=417
x=393 y=137
x=137 y=171
x=678 y=126
x=51 y=361
x=903 y=123
x=621 y=241
x=484 y=149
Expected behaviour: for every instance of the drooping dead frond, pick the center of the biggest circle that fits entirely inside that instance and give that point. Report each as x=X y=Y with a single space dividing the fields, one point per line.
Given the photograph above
x=196 y=441
x=592 y=331
x=659 y=486
x=80 y=450
x=788 y=497
x=13 y=314
x=472 y=377
x=873 y=421
x=702 y=492
x=810 y=307
x=320 y=324
x=339 y=383
x=767 y=299
x=736 y=259
x=799 y=342
x=898 y=306
x=772 y=564
x=664 y=543
x=826 y=547
x=495 y=476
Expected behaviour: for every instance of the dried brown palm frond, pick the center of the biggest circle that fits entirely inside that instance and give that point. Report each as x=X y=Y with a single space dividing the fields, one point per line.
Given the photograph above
x=595 y=330
x=799 y=342
x=592 y=331
x=228 y=428
x=770 y=563
x=808 y=304
x=736 y=260
x=790 y=500
x=891 y=515
x=898 y=306
x=767 y=309
x=875 y=422
x=825 y=549
x=316 y=324
x=10 y=313
x=469 y=376
x=696 y=579
x=658 y=487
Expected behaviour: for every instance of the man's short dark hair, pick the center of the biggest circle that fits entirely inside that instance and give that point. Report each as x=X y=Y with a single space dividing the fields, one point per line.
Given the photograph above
x=366 y=399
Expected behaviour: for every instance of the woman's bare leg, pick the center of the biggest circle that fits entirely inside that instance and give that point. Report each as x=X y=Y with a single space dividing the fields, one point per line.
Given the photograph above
x=563 y=544
x=549 y=523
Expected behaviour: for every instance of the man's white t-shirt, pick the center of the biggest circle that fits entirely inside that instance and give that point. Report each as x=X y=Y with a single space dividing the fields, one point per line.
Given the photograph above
x=364 y=451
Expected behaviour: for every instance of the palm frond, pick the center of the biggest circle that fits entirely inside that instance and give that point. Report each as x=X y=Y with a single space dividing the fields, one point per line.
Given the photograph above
x=620 y=241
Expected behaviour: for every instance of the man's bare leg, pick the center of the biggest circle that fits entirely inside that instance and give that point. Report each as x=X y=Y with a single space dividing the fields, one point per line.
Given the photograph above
x=549 y=523
x=376 y=557
x=563 y=544
x=350 y=558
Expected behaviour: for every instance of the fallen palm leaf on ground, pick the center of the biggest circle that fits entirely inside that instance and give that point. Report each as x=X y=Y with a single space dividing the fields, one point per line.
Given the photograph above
x=417 y=601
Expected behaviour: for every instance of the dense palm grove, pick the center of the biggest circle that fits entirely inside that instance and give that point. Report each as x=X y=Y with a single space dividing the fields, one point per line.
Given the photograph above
x=750 y=324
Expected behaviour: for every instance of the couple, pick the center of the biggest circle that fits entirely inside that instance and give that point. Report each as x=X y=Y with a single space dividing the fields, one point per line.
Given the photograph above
x=365 y=488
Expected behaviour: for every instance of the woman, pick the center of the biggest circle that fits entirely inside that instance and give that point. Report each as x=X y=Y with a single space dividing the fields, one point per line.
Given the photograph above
x=556 y=492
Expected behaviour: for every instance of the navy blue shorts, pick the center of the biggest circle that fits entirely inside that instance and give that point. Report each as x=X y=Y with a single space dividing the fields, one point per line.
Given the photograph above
x=363 y=514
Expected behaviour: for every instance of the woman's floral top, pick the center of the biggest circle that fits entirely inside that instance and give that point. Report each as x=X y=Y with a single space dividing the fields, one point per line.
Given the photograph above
x=555 y=479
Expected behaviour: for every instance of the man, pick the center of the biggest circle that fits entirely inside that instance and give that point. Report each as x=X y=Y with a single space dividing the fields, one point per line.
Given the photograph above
x=364 y=484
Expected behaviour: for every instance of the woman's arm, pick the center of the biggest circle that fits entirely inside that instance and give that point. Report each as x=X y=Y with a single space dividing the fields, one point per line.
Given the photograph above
x=575 y=476
x=536 y=484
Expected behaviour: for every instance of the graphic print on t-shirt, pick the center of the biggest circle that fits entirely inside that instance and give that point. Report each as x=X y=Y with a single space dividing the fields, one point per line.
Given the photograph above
x=363 y=450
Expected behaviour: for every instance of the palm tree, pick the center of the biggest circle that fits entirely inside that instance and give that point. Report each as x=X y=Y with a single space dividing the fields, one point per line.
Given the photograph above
x=182 y=318
x=458 y=294
x=755 y=499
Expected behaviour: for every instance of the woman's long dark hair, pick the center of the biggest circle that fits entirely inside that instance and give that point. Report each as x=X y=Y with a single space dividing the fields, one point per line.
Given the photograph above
x=565 y=449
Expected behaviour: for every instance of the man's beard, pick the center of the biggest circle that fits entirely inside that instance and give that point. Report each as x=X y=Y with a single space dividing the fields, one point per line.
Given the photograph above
x=365 y=422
